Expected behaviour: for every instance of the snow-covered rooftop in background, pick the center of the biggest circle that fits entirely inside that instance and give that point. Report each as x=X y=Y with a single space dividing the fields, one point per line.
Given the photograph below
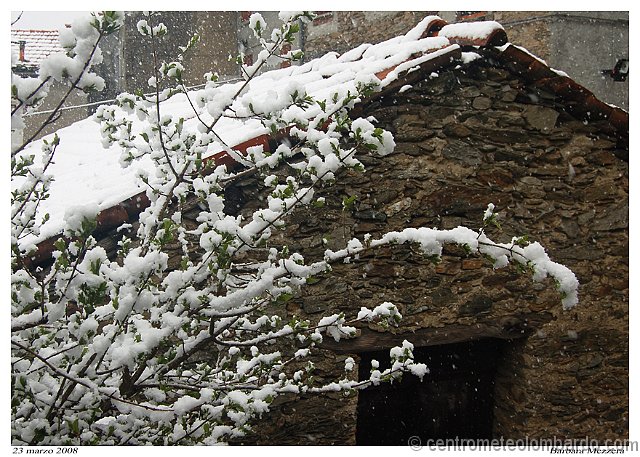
x=39 y=44
x=87 y=174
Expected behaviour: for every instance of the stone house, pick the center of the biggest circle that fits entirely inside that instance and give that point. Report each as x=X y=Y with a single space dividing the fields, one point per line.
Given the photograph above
x=505 y=360
x=224 y=33
x=480 y=121
x=582 y=43
x=128 y=64
x=31 y=48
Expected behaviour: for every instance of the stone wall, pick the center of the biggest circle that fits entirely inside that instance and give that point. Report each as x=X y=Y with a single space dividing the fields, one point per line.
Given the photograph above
x=341 y=31
x=585 y=44
x=580 y=43
x=63 y=119
x=534 y=35
x=464 y=139
x=218 y=40
x=250 y=46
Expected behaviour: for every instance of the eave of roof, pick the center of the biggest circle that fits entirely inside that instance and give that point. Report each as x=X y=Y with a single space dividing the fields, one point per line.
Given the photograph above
x=579 y=101
x=490 y=37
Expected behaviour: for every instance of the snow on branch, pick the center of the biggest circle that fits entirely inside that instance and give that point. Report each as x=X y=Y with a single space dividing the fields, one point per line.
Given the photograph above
x=184 y=337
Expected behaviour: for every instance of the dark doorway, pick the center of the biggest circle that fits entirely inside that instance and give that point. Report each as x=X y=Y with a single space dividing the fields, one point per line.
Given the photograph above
x=454 y=400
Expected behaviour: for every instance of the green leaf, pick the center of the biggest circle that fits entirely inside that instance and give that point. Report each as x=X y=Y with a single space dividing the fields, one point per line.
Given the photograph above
x=39 y=435
x=88 y=226
x=74 y=426
x=60 y=244
x=284 y=298
x=347 y=202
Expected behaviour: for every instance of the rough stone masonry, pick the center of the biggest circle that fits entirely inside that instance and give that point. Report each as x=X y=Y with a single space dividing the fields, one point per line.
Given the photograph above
x=473 y=135
x=466 y=138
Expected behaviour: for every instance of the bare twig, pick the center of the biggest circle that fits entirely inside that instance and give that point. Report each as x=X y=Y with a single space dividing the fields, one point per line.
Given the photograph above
x=17 y=19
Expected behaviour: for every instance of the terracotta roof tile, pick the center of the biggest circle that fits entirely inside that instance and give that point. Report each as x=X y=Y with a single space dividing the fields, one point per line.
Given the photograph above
x=482 y=33
x=489 y=36
x=577 y=100
x=434 y=27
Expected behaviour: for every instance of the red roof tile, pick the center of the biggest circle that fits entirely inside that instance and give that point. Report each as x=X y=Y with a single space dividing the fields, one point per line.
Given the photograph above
x=39 y=44
x=579 y=101
x=576 y=99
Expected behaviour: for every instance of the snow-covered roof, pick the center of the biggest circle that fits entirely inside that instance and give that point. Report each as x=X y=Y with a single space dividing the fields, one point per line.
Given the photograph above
x=86 y=173
x=39 y=44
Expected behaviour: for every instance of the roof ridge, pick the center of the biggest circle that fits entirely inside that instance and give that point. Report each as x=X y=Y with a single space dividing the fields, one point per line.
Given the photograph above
x=488 y=35
x=37 y=30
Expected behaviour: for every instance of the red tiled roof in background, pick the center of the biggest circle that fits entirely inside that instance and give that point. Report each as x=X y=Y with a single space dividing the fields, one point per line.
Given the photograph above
x=579 y=101
x=39 y=44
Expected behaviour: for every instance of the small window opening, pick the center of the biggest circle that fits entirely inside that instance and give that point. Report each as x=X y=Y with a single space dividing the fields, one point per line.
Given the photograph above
x=455 y=399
